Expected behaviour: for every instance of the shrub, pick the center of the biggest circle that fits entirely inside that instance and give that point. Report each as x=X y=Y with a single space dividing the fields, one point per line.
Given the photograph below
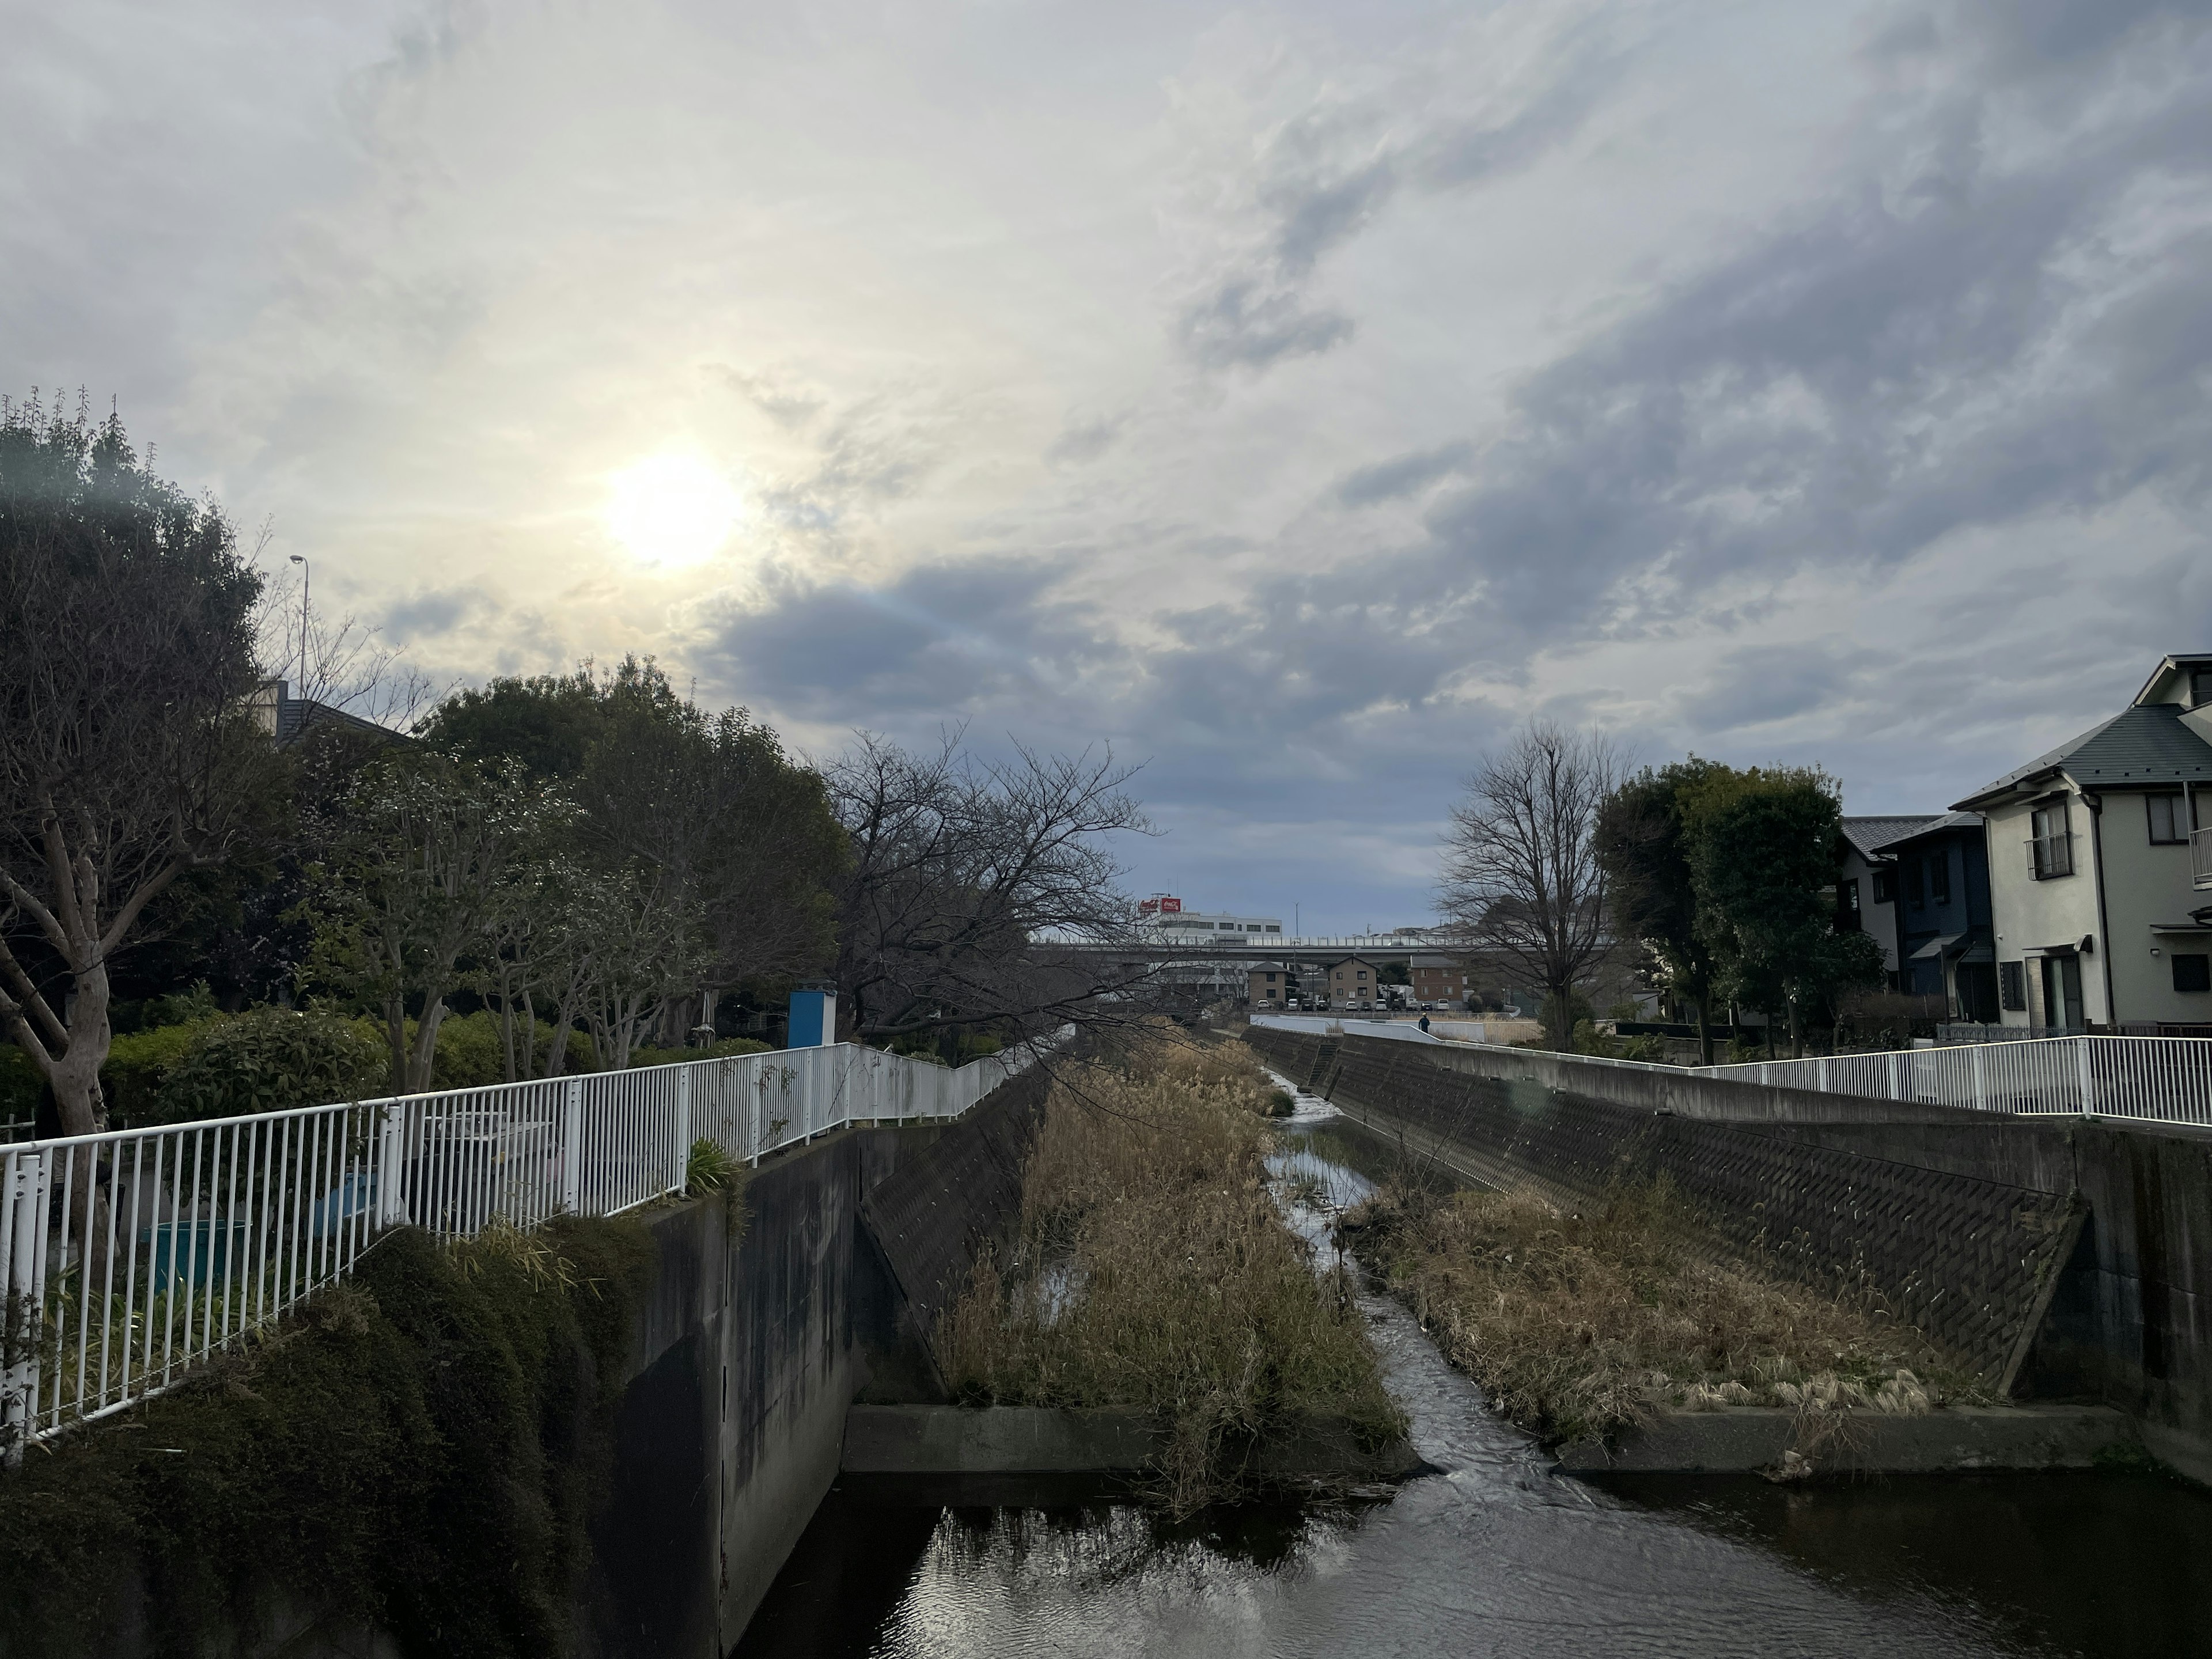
x=722 y=1050
x=270 y=1061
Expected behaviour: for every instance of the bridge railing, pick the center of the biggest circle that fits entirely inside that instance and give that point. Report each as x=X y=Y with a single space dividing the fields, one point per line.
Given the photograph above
x=130 y=1256
x=2162 y=1079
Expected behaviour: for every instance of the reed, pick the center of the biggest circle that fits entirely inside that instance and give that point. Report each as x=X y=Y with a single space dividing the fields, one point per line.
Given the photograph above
x=1153 y=1269
x=1589 y=1322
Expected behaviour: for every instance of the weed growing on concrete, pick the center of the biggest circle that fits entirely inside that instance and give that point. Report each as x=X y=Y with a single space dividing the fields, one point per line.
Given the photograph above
x=419 y=1446
x=1153 y=1269
x=1583 y=1324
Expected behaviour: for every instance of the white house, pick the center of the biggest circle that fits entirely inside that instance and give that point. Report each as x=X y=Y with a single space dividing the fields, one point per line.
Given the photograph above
x=2101 y=872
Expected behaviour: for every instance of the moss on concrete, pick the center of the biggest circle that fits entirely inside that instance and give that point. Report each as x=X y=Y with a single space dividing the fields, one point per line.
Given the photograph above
x=418 y=1448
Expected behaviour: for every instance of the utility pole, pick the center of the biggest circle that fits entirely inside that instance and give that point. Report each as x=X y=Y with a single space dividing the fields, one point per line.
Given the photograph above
x=306 y=574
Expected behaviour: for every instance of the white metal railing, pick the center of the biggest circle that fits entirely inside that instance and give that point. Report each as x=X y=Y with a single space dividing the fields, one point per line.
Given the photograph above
x=128 y=1257
x=2159 y=1079
x=2200 y=858
x=2164 y=1079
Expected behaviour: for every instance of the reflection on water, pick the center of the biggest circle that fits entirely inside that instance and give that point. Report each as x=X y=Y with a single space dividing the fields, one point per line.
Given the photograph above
x=1495 y=1554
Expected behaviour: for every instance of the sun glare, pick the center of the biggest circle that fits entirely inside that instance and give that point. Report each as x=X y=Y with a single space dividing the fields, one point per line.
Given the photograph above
x=672 y=509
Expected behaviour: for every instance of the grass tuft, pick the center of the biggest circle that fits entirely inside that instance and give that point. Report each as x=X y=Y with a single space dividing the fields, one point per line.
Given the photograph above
x=1584 y=1324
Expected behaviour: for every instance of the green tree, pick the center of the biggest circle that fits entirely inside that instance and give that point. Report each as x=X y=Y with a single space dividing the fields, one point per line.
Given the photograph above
x=128 y=753
x=1765 y=847
x=1643 y=841
x=412 y=889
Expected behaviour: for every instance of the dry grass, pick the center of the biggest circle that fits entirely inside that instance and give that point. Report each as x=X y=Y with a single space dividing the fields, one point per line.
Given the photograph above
x=1153 y=1269
x=1585 y=1324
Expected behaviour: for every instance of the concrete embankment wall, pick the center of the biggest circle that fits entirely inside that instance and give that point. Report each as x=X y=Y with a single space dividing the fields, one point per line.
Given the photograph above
x=2068 y=1258
x=753 y=1346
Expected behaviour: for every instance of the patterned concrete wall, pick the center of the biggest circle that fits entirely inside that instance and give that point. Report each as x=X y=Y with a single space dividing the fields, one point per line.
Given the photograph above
x=1968 y=1260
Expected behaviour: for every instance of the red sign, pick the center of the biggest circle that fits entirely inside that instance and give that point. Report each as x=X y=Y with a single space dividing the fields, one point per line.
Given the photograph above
x=1162 y=905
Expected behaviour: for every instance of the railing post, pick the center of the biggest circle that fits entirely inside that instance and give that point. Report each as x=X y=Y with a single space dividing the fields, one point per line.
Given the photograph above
x=1981 y=1093
x=1896 y=1077
x=2088 y=1091
x=572 y=1147
x=682 y=1127
x=23 y=1198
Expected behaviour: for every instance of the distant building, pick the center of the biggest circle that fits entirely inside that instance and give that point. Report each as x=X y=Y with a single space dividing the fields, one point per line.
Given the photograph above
x=1271 y=988
x=1166 y=917
x=1352 y=983
x=1437 y=979
x=287 y=718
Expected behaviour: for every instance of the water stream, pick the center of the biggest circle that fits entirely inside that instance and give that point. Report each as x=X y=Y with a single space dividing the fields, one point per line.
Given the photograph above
x=1496 y=1554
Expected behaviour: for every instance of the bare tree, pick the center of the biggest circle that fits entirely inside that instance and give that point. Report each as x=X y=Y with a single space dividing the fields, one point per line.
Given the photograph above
x=978 y=891
x=336 y=662
x=1523 y=883
x=127 y=752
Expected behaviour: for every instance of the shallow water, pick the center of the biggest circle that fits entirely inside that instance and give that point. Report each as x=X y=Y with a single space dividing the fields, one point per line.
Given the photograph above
x=1496 y=1554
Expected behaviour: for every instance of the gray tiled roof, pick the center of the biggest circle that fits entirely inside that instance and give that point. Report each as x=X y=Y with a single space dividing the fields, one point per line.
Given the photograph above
x=1941 y=822
x=1870 y=836
x=2144 y=745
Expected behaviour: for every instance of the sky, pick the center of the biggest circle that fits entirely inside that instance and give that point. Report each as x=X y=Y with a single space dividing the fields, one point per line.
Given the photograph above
x=1293 y=399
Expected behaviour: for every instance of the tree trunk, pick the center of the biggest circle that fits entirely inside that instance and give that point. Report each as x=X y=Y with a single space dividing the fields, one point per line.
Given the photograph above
x=1705 y=1034
x=506 y=1031
x=75 y=1073
x=395 y=1037
x=424 y=1057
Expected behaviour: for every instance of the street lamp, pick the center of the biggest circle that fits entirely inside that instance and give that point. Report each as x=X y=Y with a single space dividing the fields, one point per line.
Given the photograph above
x=306 y=574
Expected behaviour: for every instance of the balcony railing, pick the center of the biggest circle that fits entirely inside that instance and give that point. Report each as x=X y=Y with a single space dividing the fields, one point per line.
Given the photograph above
x=2051 y=855
x=2200 y=858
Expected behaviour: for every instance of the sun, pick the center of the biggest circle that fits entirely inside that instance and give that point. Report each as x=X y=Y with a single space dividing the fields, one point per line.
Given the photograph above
x=672 y=509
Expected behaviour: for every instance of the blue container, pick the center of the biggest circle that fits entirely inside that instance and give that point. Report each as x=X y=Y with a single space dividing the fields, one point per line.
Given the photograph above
x=201 y=1248
x=813 y=1018
x=354 y=1195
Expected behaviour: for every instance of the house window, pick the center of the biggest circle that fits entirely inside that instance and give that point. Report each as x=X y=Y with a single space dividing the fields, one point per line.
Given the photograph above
x=1939 y=878
x=2050 y=843
x=1885 y=886
x=2169 y=819
x=1847 y=906
x=2192 y=972
x=2200 y=687
x=2012 y=984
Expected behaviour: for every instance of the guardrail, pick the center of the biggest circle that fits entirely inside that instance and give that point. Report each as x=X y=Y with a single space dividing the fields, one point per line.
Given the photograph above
x=130 y=1256
x=2156 y=1079
x=2161 y=1079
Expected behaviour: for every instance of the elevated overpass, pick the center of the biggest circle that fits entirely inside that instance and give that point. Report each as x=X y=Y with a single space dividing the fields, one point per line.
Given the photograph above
x=1264 y=950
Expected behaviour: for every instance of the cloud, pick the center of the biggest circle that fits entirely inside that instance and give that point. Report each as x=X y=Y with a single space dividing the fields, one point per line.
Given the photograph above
x=938 y=641
x=1243 y=325
x=1406 y=475
x=428 y=615
x=1083 y=442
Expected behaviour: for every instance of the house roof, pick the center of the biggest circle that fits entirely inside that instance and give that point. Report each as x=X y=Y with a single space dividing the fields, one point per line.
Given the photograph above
x=1870 y=836
x=2174 y=662
x=1939 y=825
x=2138 y=747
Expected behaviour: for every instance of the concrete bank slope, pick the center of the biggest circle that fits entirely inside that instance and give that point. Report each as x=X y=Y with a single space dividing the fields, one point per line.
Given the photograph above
x=2064 y=1258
